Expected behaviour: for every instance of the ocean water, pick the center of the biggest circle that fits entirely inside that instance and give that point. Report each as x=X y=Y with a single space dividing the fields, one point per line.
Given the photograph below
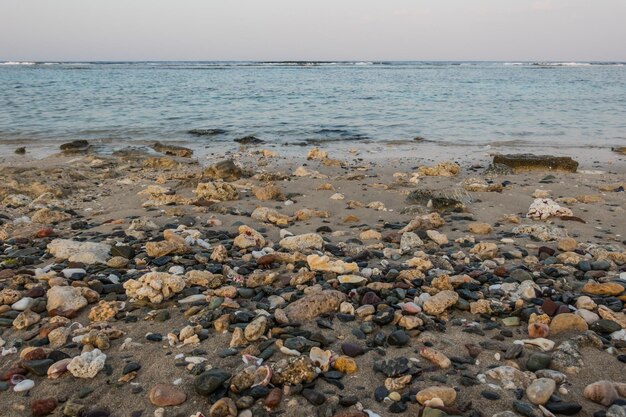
x=482 y=103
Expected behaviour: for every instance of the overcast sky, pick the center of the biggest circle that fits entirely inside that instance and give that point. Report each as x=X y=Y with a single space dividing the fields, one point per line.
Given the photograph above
x=561 y=30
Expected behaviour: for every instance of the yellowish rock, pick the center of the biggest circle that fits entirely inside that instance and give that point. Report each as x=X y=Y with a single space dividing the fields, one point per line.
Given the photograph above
x=446 y=394
x=440 y=302
x=216 y=190
x=317 y=153
x=436 y=357
x=480 y=228
x=248 y=237
x=567 y=244
x=604 y=288
x=370 y=235
x=442 y=169
x=268 y=192
x=437 y=237
x=323 y=263
x=345 y=364
x=568 y=322
x=485 y=250
x=480 y=307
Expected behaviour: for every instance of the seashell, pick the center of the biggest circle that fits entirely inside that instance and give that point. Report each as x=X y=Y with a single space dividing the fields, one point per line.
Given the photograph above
x=248 y=359
x=290 y=352
x=601 y=392
x=397 y=384
x=24 y=385
x=16 y=379
x=58 y=368
x=262 y=376
x=320 y=358
x=543 y=344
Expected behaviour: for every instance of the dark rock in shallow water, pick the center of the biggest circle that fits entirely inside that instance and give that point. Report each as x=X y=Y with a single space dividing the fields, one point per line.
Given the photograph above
x=75 y=146
x=249 y=140
x=172 y=150
x=206 y=132
x=529 y=162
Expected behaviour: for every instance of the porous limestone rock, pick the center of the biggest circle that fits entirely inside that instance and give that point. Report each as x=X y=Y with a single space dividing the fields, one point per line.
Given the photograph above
x=154 y=286
x=84 y=252
x=88 y=364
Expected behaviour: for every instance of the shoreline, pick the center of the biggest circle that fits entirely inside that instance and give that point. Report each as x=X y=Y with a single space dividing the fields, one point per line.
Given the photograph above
x=426 y=150
x=429 y=253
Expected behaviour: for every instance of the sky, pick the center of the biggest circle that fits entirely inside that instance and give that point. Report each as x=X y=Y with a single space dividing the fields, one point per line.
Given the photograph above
x=504 y=30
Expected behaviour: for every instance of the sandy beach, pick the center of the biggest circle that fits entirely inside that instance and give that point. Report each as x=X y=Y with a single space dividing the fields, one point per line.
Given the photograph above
x=300 y=281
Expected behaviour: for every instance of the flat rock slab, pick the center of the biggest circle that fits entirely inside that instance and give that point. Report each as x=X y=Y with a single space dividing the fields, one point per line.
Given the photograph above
x=529 y=162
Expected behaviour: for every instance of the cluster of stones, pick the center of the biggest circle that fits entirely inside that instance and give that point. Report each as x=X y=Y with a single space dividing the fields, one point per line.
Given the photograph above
x=282 y=305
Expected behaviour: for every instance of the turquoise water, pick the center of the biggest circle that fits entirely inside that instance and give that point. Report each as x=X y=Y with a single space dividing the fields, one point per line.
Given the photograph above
x=478 y=103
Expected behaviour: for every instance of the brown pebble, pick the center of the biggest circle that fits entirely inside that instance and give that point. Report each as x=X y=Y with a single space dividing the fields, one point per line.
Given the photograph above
x=273 y=398
x=43 y=407
x=163 y=395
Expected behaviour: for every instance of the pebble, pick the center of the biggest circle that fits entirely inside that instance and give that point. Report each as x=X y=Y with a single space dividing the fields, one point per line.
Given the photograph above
x=163 y=395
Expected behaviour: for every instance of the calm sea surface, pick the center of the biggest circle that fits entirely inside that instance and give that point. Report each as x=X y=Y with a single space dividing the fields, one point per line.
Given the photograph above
x=574 y=104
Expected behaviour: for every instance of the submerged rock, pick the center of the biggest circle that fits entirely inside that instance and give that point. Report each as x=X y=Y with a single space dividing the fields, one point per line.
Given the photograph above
x=529 y=162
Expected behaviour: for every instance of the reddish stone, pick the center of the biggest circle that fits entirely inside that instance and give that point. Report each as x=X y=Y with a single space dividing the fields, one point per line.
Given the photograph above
x=266 y=260
x=163 y=395
x=6 y=273
x=6 y=375
x=501 y=271
x=392 y=237
x=473 y=350
x=35 y=292
x=43 y=407
x=274 y=398
x=370 y=298
x=70 y=314
x=45 y=232
x=545 y=252
x=48 y=327
x=35 y=354
x=549 y=307
x=475 y=273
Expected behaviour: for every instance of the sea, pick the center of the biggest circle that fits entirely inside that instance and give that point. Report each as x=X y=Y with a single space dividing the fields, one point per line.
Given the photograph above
x=208 y=104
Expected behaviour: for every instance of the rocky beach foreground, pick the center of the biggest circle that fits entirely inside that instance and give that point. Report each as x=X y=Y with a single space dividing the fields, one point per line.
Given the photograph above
x=254 y=283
